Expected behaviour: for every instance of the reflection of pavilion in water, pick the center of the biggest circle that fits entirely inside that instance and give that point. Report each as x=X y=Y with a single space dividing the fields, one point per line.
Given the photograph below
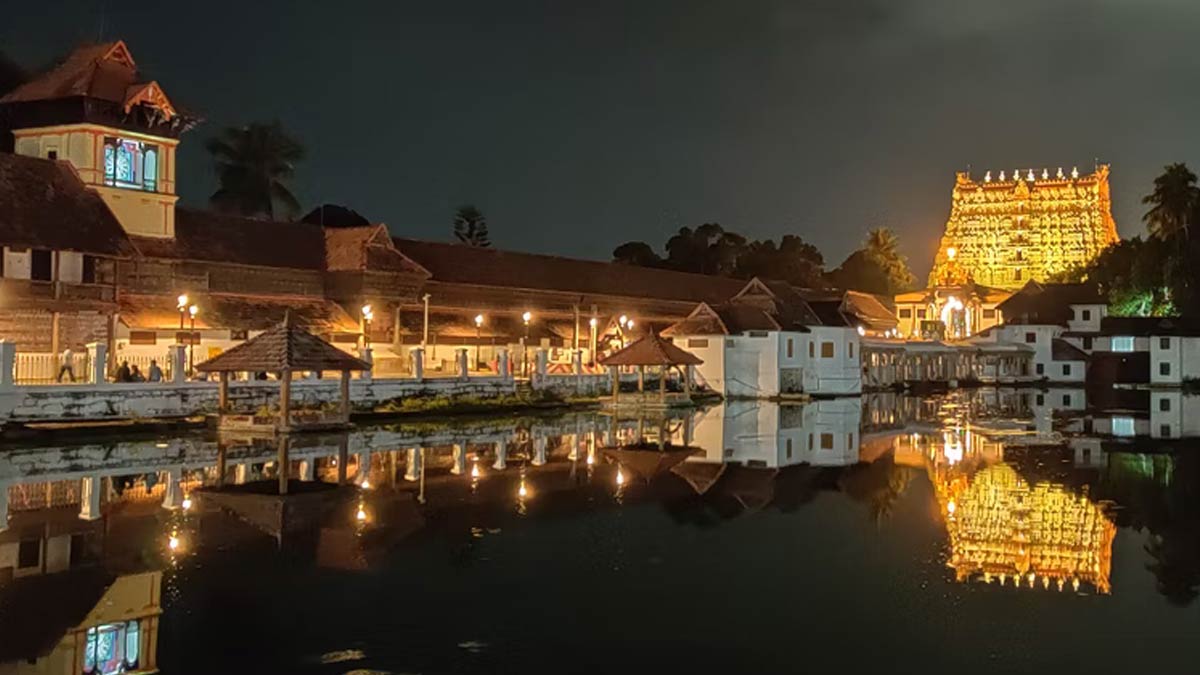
x=1001 y=527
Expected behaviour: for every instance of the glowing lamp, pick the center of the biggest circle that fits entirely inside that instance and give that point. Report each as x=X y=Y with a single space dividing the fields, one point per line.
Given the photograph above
x=478 y=320
x=526 y=317
x=183 y=301
x=193 y=310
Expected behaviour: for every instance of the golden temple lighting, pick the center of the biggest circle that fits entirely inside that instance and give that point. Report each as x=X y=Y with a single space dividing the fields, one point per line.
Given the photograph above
x=1007 y=232
x=1000 y=526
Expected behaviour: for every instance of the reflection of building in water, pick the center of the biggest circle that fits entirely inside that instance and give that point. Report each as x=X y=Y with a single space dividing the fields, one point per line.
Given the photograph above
x=821 y=433
x=1001 y=527
x=81 y=622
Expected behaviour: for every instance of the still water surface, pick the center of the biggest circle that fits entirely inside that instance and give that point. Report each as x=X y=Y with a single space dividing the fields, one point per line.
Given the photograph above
x=987 y=530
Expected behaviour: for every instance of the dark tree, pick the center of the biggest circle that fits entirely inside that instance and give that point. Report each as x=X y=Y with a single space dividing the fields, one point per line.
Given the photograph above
x=253 y=165
x=470 y=227
x=636 y=253
x=1173 y=202
x=11 y=74
x=793 y=260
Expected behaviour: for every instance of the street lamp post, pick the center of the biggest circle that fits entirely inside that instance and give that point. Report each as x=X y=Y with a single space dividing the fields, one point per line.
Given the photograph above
x=592 y=341
x=478 y=341
x=425 y=328
x=192 y=310
x=183 y=308
x=525 y=345
x=367 y=315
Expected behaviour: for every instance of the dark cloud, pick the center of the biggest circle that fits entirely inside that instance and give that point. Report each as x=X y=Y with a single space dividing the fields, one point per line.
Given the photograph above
x=577 y=126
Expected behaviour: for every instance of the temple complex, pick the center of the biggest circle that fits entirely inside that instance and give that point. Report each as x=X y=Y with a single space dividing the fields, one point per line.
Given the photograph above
x=1006 y=230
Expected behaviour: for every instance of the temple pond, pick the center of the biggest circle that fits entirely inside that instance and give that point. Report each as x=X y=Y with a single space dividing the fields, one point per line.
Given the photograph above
x=997 y=530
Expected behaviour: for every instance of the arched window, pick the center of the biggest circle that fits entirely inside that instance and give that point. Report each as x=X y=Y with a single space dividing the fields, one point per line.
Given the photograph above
x=150 y=169
x=110 y=160
x=125 y=163
x=112 y=648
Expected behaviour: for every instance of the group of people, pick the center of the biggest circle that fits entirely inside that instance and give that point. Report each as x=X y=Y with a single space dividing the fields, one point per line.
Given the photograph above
x=127 y=373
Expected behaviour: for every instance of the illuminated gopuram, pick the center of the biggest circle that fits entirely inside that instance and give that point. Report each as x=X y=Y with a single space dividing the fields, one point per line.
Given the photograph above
x=1004 y=530
x=1009 y=228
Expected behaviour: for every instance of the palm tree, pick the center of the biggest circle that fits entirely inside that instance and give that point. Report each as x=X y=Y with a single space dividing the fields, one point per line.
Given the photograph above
x=883 y=247
x=470 y=226
x=253 y=165
x=1173 y=202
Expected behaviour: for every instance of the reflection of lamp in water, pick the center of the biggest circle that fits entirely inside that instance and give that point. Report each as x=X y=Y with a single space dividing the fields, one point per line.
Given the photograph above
x=361 y=514
x=475 y=472
x=620 y=477
x=366 y=484
x=522 y=489
x=173 y=542
x=187 y=503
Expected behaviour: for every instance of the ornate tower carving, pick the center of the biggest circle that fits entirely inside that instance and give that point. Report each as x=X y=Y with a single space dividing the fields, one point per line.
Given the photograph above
x=1004 y=232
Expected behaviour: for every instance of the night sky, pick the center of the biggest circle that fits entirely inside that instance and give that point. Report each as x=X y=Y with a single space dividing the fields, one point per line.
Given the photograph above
x=575 y=128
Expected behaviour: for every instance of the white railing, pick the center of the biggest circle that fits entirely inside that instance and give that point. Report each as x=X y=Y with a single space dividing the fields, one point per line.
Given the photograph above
x=44 y=368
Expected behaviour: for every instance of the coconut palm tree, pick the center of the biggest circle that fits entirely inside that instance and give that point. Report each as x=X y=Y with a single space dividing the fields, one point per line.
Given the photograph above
x=1173 y=203
x=470 y=226
x=253 y=165
x=883 y=247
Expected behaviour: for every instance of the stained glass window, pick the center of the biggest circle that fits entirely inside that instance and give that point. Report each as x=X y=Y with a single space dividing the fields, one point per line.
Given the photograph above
x=110 y=161
x=130 y=164
x=125 y=159
x=150 y=169
x=112 y=648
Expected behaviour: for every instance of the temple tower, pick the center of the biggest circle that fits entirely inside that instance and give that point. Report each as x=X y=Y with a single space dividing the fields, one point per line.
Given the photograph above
x=1005 y=230
x=118 y=132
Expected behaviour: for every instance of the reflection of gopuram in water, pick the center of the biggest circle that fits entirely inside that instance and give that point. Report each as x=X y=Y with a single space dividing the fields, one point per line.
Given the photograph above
x=1001 y=527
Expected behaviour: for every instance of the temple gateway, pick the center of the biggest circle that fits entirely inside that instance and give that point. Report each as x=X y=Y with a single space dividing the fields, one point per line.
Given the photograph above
x=1003 y=232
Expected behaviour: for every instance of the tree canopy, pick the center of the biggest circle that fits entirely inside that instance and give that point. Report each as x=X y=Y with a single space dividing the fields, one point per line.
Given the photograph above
x=470 y=226
x=877 y=267
x=254 y=164
x=713 y=250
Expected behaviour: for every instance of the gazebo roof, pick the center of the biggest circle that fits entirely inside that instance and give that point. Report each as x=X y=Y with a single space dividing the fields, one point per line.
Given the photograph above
x=284 y=347
x=651 y=350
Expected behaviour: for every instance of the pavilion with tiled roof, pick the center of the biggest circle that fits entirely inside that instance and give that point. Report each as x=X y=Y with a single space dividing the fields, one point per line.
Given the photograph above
x=283 y=350
x=654 y=351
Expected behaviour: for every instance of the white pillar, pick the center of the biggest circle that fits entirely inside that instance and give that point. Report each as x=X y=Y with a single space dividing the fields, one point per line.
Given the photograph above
x=307 y=469
x=98 y=358
x=8 y=363
x=459 y=451
x=178 y=363
x=460 y=357
x=417 y=355
x=240 y=473
x=502 y=363
x=501 y=456
x=89 y=498
x=172 y=497
x=368 y=357
x=542 y=360
x=412 y=469
x=539 y=450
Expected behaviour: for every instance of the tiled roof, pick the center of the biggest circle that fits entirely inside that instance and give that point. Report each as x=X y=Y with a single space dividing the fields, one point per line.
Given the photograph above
x=365 y=248
x=1061 y=350
x=651 y=350
x=284 y=347
x=1140 y=326
x=43 y=204
x=458 y=263
x=97 y=71
x=239 y=312
x=223 y=238
x=1048 y=303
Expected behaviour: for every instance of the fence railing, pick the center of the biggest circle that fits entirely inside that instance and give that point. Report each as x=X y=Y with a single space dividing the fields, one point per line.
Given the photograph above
x=45 y=368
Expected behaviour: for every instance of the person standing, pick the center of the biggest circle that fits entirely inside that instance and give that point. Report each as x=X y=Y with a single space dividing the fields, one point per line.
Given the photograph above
x=156 y=373
x=66 y=365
